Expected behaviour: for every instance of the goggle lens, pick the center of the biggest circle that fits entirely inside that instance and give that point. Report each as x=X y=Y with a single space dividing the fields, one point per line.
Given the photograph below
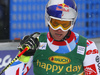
x=58 y=23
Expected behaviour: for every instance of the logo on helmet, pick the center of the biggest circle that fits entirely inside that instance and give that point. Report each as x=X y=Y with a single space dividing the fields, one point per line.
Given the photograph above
x=62 y=7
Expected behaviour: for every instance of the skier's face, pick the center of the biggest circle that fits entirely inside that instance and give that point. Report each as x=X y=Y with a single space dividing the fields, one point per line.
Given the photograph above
x=57 y=34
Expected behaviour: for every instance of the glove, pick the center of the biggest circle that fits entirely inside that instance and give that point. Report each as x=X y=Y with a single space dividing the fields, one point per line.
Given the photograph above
x=30 y=41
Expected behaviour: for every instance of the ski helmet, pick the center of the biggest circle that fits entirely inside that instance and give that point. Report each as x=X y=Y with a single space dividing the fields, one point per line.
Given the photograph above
x=63 y=10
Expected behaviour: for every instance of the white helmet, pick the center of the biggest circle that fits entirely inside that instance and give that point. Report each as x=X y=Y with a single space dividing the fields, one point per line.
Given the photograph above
x=65 y=10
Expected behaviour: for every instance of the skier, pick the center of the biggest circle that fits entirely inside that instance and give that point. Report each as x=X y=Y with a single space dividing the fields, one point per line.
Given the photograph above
x=60 y=51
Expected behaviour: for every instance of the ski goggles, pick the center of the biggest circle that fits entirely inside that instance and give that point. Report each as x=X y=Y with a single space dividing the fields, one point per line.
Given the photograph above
x=58 y=24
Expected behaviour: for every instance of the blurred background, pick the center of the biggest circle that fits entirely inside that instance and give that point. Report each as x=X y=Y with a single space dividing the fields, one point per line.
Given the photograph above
x=23 y=17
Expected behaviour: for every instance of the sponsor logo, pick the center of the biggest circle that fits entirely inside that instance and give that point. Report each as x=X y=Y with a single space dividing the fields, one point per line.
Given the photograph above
x=80 y=50
x=5 y=61
x=62 y=7
x=98 y=61
x=58 y=68
x=43 y=46
x=95 y=51
x=59 y=59
x=90 y=70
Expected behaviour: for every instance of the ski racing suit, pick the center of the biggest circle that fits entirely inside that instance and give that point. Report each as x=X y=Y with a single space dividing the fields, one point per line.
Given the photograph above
x=75 y=55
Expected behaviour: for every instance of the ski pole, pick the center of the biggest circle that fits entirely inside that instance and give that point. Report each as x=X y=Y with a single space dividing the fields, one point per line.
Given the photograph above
x=26 y=48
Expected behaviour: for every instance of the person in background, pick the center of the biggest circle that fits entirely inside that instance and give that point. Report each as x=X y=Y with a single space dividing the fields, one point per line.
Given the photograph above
x=59 y=51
